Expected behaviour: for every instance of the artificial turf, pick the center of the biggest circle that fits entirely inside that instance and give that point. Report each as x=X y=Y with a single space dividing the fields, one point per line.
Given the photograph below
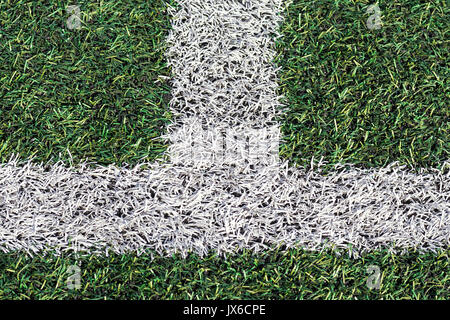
x=365 y=96
x=292 y=274
x=353 y=95
x=97 y=91
x=368 y=97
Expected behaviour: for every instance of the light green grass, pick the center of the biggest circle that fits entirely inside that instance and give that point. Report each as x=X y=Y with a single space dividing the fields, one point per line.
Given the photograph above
x=294 y=274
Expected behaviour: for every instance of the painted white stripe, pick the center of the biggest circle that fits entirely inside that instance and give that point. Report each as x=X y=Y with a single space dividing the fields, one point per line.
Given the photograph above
x=172 y=208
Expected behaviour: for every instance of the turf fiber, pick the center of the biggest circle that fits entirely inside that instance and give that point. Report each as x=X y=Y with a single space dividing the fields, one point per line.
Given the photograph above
x=97 y=91
x=353 y=95
x=367 y=97
x=292 y=274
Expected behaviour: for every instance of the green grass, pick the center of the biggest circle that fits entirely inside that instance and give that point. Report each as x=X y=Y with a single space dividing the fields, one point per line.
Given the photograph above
x=294 y=274
x=354 y=95
x=92 y=90
x=366 y=97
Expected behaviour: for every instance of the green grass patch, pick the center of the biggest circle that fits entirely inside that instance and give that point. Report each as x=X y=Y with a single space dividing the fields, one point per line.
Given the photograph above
x=94 y=91
x=294 y=274
x=366 y=97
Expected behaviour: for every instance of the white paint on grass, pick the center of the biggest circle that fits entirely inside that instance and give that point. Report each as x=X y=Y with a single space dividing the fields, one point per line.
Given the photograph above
x=220 y=53
x=171 y=208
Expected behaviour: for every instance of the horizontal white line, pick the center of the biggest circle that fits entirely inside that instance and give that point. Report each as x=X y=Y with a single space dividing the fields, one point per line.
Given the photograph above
x=174 y=208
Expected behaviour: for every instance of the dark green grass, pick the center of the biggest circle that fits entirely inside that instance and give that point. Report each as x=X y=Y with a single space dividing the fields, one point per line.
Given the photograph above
x=354 y=95
x=367 y=97
x=295 y=274
x=91 y=91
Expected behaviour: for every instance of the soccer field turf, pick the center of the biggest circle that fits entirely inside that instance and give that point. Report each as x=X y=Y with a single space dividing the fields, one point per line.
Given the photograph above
x=352 y=95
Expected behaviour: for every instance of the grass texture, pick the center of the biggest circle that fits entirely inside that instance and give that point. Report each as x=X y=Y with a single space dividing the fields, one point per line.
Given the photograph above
x=355 y=95
x=292 y=274
x=361 y=96
x=96 y=91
